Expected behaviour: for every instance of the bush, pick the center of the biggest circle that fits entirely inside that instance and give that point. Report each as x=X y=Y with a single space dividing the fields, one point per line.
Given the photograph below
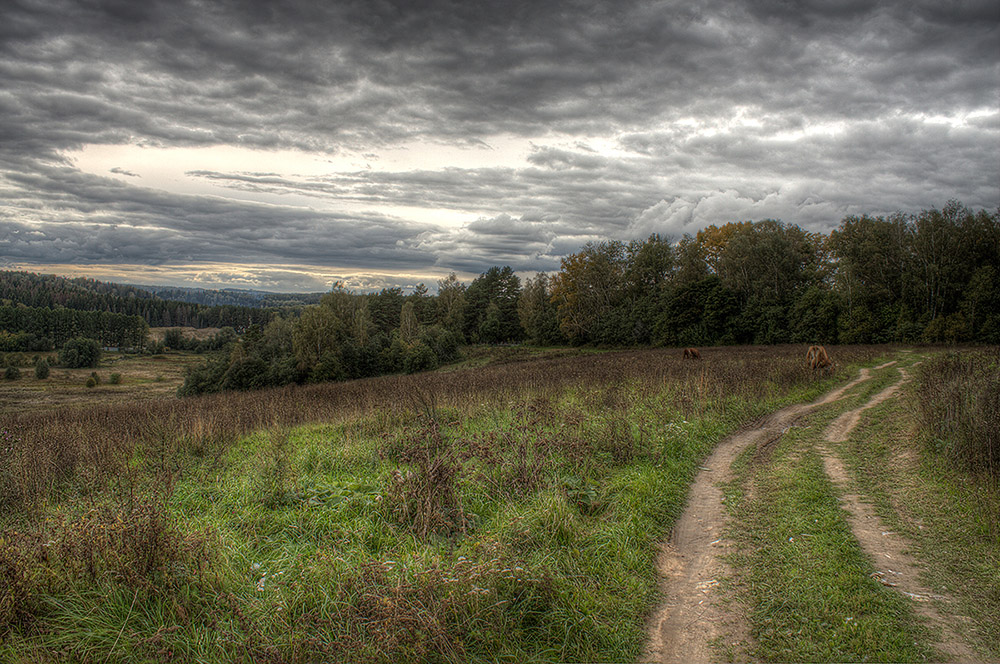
x=203 y=379
x=155 y=347
x=174 y=339
x=80 y=352
x=12 y=373
x=41 y=370
x=91 y=382
x=116 y=379
x=420 y=358
x=97 y=379
x=246 y=374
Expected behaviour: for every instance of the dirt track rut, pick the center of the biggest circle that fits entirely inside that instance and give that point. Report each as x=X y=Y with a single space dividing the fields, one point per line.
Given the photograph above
x=886 y=549
x=692 y=616
x=690 y=563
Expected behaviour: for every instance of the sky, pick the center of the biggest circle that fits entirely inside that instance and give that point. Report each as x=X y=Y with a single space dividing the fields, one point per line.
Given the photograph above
x=288 y=145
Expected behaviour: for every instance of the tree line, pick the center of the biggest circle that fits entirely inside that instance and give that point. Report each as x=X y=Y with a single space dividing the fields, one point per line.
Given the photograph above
x=234 y=297
x=40 y=329
x=929 y=277
x=345 y=336
x=83 y=294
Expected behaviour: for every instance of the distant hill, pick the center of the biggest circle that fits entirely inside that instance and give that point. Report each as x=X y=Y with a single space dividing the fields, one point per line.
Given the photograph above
x=233 y=297
x=85 y=294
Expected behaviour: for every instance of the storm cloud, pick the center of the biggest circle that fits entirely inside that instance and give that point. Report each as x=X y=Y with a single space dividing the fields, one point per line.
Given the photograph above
x=450 y=135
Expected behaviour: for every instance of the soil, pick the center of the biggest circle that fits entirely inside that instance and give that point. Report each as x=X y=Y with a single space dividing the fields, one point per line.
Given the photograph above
x=694 y=615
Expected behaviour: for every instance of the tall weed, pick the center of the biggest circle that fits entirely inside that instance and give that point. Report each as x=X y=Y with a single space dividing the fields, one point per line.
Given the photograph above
x=959 y=397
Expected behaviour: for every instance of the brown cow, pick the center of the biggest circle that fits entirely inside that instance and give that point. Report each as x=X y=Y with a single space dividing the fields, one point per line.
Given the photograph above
x=817 y=358
x=691 y=354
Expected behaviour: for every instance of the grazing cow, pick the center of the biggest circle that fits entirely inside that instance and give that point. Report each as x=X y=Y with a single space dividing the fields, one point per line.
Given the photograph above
x=817 y=358
x=691 y=354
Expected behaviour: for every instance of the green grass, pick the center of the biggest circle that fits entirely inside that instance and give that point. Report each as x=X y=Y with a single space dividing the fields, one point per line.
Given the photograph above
x=804 y=575
x=567 y=567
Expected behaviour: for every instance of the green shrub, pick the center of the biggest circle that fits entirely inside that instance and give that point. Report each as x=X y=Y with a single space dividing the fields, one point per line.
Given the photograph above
x=115 y=379
x=41 y=370
x=12 y=373
x=91 y=382
x=97 y=379
x=420 y=357
x=80 y=352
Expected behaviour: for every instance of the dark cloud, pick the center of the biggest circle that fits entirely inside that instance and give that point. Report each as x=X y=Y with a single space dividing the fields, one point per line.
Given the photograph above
x=637 y=116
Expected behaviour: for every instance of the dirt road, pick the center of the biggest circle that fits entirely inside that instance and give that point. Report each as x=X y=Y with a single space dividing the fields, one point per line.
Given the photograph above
x=691 y=617
x=694 y=615
x=886 y=549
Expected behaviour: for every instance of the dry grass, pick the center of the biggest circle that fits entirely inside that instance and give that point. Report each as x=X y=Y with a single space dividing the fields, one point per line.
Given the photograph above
x=959 y=399
x=144 y=378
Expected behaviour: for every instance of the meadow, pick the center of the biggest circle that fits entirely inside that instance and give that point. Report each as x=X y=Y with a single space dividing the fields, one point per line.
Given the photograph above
x=141 y=378
x=504 y=512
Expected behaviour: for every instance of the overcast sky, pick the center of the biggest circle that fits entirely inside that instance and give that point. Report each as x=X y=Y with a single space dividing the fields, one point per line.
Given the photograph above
x=284 y=144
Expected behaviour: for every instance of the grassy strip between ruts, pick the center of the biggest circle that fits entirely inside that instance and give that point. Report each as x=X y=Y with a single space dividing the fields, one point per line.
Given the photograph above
x=801 y=573
x=521 y=531
x=951 y=517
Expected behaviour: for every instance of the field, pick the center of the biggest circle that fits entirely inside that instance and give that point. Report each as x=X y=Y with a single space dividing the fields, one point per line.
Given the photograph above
x=508 y=510
x=143 y=378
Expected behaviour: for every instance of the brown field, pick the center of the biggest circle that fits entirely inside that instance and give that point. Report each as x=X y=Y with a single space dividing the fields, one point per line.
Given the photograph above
x=143 y=378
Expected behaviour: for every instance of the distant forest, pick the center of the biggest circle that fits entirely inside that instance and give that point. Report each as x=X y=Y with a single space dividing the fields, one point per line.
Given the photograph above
x=40 y=329
x=83 y=294
x=929 y=277
x=233 y=297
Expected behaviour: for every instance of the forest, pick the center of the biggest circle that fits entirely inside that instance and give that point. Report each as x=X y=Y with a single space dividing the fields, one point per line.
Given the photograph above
x=931 y=277
x=233 y=297
x=82 y=294
x=41 y=329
